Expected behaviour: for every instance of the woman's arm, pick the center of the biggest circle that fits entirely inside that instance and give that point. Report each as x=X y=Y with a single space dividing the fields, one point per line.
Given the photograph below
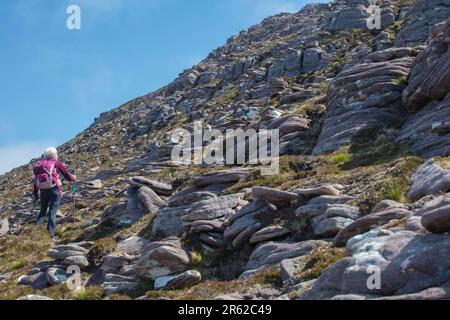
x=64 y=171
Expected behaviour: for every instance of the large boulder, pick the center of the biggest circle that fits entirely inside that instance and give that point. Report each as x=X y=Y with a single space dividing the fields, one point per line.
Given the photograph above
x=272 y=253
x=429 y=179
x=274 y=196
x=436 y=214
x=219 y=177
x=181 y=281
x=163 y=258
x=366 y=223
x=406 y=263
x=420 y=20
x=363 y=96
x=428 y=131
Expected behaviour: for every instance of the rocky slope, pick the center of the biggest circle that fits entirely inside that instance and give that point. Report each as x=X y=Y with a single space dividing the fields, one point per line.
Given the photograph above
x=364 y=122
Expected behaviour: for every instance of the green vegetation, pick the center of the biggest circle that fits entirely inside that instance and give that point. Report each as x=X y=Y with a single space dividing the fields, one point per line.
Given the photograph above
x=89 y=293
x=340 y=158
x=318 y=260
x=100 y=249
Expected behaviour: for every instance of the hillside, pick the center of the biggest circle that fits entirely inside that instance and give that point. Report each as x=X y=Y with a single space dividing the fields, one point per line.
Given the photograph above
x=364 y=123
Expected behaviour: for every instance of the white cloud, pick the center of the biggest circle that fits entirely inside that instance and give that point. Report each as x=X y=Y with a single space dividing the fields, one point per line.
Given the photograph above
x=13 y=156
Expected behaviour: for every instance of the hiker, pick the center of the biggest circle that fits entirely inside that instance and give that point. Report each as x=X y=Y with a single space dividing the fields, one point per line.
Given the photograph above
x=47 y=181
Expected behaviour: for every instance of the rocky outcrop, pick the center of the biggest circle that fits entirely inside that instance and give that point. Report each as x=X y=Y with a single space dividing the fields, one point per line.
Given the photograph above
x=163 y=258
x=369 y=222
x=272 y=253
x=429 y=179
x=420 y=19
x=436 y=214
x=406 y=263
x=428 y=93
x=365 y=96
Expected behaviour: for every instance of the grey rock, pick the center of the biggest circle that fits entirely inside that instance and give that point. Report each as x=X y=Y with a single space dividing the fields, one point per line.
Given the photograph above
x=269 y=233
x=56 y=276
x=369 y=222
x=401 y=258
x=325 y=190
x=166 y=258
x=182 y=281
x=114 y=261
x=159 y=187
x=151 y=201
x=274 y=196
x=219 y=177
x=80 y=261
x=429 y=179
x=34 y=297
x=4 y=227
x=363 y=89
x=133 y=246
x=436 y=214
x=271 y=253
x=330 y=227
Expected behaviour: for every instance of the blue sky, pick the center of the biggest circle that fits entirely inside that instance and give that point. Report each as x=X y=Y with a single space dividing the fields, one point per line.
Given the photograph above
x=125 y=48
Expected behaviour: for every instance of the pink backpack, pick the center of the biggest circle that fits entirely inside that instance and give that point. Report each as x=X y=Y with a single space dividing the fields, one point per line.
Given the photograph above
x=47 y=176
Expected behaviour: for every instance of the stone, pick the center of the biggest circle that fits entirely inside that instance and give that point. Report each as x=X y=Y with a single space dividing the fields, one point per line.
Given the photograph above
x=330 y=227
x=219 y=177
x=214 y=208
x=56 y=276
x=111 y=288
x=80 y=261
x=212 y=239
x=60 y=253
x=364 y=96
x=325 y=190
x=239 y=225
x=271 y=253
x=429 y=179
x=401 y=258
x=133 y=246
x=348 y=17
x=427 y=94
x=269 y=233
x=420 y=19
x=159 y=187
x=114 y=261
x=168 y=221
x=34 y=297
x=207 y=226
x=369 y=222
x=166 y=258
x=388 y=205
x=36 y=281
x=436 y=214
x=151 y=201
x=274 y=196
x=178 y=282
x=190 y=196
x=4 y=227
x=427 y=131
x=245 y=235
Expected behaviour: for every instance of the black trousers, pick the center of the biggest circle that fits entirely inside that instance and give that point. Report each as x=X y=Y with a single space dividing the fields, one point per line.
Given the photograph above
x=50 y=201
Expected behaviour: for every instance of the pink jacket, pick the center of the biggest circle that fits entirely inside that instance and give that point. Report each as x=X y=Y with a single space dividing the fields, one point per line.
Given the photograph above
x=59 y=167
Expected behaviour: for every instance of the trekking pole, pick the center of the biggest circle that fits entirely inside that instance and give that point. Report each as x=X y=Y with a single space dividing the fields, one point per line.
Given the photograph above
x=74 y=190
